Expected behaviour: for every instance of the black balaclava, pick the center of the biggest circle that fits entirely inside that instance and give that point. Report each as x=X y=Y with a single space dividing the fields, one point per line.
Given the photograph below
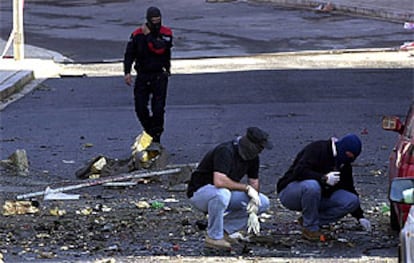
x=248 y=150
x=253 y=143
x=153 y=12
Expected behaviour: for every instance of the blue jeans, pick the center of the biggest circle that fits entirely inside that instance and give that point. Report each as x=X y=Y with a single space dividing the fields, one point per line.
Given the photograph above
x=316 y=210
x=216 y=201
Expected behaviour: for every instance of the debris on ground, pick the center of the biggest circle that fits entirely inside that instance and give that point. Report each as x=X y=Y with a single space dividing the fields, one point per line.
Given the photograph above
x=325 y=8
x=409 y=25
x=407 y=46
x=17 y=162
x=19 y=208
x=94 y=182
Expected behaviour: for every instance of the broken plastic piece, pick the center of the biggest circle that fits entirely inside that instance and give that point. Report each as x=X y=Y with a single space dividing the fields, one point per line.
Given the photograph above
x=98 y=165
x=142 y=141
x=50 y=194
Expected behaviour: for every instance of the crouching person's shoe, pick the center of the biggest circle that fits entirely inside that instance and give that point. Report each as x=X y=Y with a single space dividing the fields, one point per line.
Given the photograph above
x=313 y=235
x=217 y=243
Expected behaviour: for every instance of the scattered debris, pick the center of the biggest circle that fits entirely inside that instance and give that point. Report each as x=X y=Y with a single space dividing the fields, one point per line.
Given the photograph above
x=98 y=165
x=122 y=177
x=157 y=205
x=19 y=208
x=409 y=25
x=57 y=212
x=326 y=8
x=68 y=161
x=385 y=209
x=375 y=172
x=17 y=162
x=142 y=205
x=120 y=184
x=407 y=46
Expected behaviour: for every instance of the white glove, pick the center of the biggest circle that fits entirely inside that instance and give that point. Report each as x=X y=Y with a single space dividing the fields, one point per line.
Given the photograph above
x=332 y=178
x=365 y=224
x=252 y=207
x=253 y=194
x=253 y=224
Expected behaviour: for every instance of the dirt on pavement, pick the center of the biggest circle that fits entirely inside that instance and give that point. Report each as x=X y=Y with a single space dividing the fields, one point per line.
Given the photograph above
x=154 y=218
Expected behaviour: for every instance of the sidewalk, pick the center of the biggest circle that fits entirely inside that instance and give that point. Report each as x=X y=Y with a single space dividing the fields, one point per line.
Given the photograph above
x=15 y=75
x=398 y=10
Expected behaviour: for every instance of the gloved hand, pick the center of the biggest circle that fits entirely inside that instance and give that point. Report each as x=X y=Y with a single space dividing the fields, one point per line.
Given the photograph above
x=253 y=224
x=332 y=178
x=252 y=207
x=253 y=194
x=366 y=224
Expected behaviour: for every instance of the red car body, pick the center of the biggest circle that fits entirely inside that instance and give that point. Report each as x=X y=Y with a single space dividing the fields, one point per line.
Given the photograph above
x=401 y=161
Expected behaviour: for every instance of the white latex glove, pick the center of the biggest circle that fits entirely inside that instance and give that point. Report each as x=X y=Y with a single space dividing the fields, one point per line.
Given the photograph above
x=253 y=194
x=332 y=178
x=253 y=224
x=365 y=224
x=252 y=207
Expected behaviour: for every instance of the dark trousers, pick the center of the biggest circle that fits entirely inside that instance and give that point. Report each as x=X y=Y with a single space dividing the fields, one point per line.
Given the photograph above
x=151 y=87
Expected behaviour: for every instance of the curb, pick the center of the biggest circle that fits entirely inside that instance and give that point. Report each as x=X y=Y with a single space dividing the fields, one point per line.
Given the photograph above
x=14 y=81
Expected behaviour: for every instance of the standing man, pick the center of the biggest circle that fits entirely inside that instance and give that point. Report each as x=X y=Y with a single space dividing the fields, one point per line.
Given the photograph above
x=215 y=187
x=319 y=183
x=149 y=48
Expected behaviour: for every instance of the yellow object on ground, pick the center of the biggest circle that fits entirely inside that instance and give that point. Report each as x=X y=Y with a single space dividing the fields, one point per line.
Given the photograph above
x=19 y=208
x=141 y=143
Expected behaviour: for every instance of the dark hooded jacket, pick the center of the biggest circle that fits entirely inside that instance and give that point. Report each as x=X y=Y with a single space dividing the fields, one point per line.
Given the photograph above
x=313 y=162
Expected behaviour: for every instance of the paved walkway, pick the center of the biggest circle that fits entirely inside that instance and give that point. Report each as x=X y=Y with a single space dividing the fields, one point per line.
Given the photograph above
x=14 y=75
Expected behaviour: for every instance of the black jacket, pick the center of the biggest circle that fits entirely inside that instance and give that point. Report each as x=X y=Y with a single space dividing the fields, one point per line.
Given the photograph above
x=150 y=53
x=313 y=162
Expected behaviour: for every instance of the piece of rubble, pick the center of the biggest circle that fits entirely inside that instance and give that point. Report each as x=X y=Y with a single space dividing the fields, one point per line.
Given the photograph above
x=326 y=8
x=19 y=208
x=57 y=212
x=20 y=162
x=98 y=165
x=142 y=205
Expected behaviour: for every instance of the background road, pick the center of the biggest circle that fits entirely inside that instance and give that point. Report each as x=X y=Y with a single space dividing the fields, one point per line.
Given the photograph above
x=95 y=30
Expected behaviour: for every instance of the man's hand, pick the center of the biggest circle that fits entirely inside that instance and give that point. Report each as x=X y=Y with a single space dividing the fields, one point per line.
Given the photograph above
x=128 y=79
x=332 y=178
x=253 y=194
x=253 y=224
x=365 y=224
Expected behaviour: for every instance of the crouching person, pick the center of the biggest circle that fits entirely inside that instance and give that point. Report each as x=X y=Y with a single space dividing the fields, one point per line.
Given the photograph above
x=215 y=187
x=319 y=183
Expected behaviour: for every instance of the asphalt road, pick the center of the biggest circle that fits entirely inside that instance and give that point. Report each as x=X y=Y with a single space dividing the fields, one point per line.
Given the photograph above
x=56 y=121
x=98 y=30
